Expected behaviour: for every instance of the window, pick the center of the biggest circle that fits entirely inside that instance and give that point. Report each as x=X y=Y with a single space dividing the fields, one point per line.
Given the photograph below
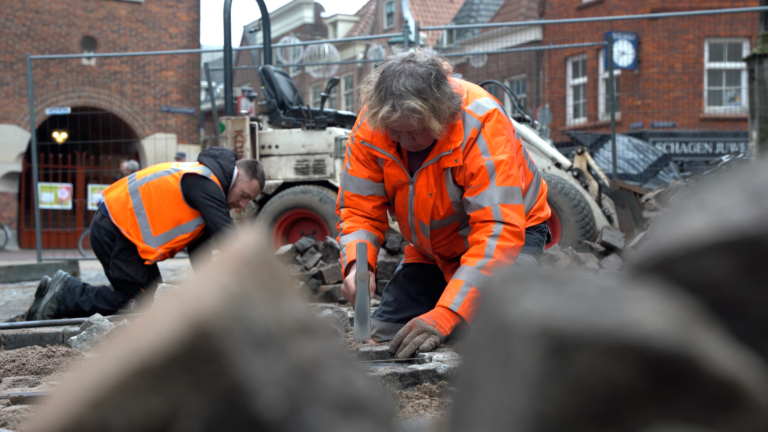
x=315 y=91
x=389 y=14
x=725 y=76
x=576 y=102
x=496 y=92
x=603 y=100
x=88 y=44
x=348 y=92
x=332 y=98
x=517 y=85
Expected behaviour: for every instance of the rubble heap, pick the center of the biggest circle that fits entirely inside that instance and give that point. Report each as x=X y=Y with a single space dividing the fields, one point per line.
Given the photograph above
x=317 y=265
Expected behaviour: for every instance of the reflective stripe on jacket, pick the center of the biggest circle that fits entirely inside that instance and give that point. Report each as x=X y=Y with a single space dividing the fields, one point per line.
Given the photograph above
x=149 y=208
x=466 y=209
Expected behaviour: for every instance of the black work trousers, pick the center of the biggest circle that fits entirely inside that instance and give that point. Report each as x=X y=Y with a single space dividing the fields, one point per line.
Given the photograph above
x=415 y=288
x=122 y=265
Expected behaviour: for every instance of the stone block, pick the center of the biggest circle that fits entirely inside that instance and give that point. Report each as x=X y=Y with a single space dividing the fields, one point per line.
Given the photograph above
x=92 y=333
x=17 y=272
x=314 y=284
x=553 y=352
x=330 y=250
x=310 y=258
x=713 y=242
x=329 y=293
x=335 y=316
x=394 y=243
x=43 y=336
x=331 y=273
x=380 y=285
x=385 y=268
x=612 y=262
x=246 y=355
x=591 y=247
x=611 y=239
x=555 y=257
x=304 y=244
x=286 y=253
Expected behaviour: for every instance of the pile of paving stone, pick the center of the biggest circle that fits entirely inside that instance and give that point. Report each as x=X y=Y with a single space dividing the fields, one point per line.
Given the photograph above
x=600 y=256
x=317 y=265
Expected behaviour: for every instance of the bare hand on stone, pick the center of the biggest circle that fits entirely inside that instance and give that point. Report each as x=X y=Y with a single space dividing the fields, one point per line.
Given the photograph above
x=348 y=287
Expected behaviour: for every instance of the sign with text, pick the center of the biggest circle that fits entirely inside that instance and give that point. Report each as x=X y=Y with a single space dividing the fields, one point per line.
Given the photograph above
x=58 y=111
x=95 y=196
x=700 y=148
x=237 y=136
x=54 y=196
x=177 y=110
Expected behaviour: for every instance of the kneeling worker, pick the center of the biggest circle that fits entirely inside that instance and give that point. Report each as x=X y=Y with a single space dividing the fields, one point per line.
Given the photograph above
x=442 y=156
x=147 y=217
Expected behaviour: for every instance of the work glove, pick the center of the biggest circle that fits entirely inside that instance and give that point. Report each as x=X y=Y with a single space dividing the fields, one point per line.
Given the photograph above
x=424 y=333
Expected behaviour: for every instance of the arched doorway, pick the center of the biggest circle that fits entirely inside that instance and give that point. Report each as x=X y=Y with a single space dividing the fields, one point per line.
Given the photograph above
x=70 y=165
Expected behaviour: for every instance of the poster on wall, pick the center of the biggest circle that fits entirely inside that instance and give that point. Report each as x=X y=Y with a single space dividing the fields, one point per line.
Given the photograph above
x=95 y=196
x=55 y=196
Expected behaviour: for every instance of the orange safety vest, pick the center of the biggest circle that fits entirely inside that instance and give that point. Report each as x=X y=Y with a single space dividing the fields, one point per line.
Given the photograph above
x=149 y=208
x=466 y=209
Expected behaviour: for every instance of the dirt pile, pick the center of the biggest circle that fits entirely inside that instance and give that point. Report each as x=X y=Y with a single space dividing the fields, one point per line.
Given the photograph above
x=31 y=369
x=38 y=361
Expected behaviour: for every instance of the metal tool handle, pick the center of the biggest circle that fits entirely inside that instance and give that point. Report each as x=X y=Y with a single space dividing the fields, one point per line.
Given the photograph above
x=362 y=329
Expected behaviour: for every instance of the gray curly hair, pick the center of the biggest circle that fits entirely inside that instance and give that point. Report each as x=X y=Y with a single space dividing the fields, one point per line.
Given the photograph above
x=411 y=88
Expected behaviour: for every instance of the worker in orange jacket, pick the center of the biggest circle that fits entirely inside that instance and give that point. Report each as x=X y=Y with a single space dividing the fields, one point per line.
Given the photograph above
x=442 y=156
x=147 y=217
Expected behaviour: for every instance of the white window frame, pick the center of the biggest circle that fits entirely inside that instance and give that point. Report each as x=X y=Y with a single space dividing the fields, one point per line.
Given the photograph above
x=347 y=91
x=507 y=100
x=602 y=108
x=385 y=25
x=569 y=84
x=727 y=66
x=333 y=98
x=315 y=102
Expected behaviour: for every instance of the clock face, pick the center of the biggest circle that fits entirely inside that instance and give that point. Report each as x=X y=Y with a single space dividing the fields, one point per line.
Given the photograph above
x=623 y=53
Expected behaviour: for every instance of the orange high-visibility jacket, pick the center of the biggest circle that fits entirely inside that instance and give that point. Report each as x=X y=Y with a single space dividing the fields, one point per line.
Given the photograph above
x=149 y=208
x=466 y=209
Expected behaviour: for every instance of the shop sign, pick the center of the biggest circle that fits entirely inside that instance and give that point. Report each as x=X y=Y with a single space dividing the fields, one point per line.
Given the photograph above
x=692 y=148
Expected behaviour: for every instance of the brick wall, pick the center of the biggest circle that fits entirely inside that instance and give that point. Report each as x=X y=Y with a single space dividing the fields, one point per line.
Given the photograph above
x=132 y=88
x=9 y=209
x=669 y=82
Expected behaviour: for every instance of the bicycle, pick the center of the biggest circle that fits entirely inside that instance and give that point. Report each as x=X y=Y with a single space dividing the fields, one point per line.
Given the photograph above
x=5 y=235
x=81 y=242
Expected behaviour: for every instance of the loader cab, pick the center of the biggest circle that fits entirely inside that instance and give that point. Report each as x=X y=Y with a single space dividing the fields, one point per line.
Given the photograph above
x=285 y=108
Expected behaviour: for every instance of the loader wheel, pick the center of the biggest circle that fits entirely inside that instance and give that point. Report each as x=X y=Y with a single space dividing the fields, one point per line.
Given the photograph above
x=572 y=220
x=300 y=211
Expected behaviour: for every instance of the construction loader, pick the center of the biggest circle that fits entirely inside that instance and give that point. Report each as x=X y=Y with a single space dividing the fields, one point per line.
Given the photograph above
x=302 y=150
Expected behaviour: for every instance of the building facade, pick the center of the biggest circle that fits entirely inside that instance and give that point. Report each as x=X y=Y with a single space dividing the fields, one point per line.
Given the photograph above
x=685 y=87
x=142 y=108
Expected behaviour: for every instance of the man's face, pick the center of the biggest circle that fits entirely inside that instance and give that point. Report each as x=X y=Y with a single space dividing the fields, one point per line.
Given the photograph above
x=124 y=168
x=243 y=191
x=413 y=138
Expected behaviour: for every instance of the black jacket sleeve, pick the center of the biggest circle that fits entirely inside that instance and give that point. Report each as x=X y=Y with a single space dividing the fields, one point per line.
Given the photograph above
x=205 y=196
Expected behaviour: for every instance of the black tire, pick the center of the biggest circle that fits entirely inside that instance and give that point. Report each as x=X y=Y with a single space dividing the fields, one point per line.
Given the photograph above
x=319 y=200
x=572 y=209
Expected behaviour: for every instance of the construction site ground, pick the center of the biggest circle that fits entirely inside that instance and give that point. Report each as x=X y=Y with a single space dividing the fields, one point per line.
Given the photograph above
x=39 y=369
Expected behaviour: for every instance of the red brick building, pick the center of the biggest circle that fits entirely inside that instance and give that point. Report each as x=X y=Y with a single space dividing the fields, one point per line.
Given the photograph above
x=138 y=107
x=689 y=83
